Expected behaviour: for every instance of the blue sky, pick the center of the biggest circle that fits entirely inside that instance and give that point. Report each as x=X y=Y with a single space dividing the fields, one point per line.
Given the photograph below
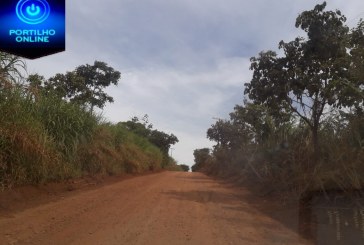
x=183 y=62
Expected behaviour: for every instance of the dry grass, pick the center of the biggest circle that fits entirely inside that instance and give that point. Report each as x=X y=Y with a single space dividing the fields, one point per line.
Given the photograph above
x=48 y=139
x=340 y=165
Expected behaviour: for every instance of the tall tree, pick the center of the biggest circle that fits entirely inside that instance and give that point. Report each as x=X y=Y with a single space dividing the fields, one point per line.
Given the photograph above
x=85 y=85
x=357 y=63
x=309 y=78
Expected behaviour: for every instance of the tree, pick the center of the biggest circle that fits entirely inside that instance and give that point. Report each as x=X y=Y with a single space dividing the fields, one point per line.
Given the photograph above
x=85 y=85
x=309 y=79
x=249 y=124
x=254 y=122
x=143 y=128
x=185 y=167
x=162 y=140
x=35 y=85
x=222 y=132
x=357 y=64
x=202 y=156
x=137 y=127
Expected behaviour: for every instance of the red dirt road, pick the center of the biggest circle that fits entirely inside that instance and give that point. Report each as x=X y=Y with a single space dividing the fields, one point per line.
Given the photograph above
x=164 y=208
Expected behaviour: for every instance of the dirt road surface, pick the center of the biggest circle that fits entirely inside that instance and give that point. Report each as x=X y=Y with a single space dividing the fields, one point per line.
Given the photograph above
x=164 y=208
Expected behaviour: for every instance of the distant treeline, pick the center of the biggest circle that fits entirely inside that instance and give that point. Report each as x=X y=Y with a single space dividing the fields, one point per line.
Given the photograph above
x=301 y=127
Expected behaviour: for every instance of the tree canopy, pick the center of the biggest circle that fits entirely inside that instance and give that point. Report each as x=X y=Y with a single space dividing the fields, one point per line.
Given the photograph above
x=85 y=85
x=185 y=167
x=201 y=157
x=143 y=128
x=315 y=74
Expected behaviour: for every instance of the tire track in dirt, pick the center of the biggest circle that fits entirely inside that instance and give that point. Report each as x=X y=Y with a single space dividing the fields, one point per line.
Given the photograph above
x=164 y=208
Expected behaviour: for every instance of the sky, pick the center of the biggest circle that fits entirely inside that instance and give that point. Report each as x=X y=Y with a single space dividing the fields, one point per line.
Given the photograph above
x=183 y=62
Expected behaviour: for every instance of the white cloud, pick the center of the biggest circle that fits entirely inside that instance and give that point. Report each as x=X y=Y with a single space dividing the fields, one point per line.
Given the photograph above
x=178 y=102
x=183 y=62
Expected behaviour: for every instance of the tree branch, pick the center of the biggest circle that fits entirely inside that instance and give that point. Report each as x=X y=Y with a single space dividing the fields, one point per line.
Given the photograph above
x=300 y=115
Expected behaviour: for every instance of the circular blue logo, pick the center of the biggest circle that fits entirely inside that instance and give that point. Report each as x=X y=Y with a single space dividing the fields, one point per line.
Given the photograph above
x=33 y=11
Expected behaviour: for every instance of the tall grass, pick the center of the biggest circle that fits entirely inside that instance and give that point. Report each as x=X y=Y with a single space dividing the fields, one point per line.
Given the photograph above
x=44 y=138
x=116 y=150
x=27 y=153
x=68 y=124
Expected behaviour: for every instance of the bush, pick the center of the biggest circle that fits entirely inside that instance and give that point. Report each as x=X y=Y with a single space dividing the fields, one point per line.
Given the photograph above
x=184 y=167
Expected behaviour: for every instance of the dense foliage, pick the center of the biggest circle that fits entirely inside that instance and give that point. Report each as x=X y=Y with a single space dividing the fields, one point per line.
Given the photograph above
x=143 y=128
x=301 y=126
x=185 y=167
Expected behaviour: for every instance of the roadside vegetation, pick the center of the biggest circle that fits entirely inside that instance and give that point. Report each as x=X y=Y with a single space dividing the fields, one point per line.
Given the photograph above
x=49 y=130
x=301 y=126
